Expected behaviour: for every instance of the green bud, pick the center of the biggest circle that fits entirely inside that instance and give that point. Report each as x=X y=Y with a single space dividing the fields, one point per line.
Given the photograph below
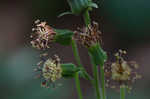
x=79 y=6
x=63 y=37
x=98 y=55
x=68 y=70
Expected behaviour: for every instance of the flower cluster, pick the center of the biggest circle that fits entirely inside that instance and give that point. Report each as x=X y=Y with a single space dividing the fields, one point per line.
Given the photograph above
x=42 y=35
x=88 y=36
x=50 y=70
x=121 y=72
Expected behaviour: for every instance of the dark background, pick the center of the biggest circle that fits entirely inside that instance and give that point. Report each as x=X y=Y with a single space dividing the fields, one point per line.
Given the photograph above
x=125 y=25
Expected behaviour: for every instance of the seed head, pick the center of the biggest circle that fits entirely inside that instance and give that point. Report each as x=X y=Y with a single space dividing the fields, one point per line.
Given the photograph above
x=121 y=72
x=50 y=70
x=88 y=36
x=42 y=35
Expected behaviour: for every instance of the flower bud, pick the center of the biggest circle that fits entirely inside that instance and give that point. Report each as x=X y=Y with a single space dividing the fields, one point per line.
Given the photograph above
x=63 y=37
x=69 y=70
x=79 y=6
x=98 y=55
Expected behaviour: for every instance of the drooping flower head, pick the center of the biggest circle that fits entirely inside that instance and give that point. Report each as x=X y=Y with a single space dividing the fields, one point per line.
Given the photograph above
x=42 y=35
x=88 y=36
x=121 y=72
x=50 y=70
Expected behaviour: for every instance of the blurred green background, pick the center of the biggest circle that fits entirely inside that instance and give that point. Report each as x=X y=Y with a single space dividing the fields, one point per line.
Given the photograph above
x=125 y=24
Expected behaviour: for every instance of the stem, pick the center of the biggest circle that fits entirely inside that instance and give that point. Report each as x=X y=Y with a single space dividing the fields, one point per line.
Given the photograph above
x=87 y=21
x=96 y=81
x=77 y=58
x=77 y=81
x=86 y=17
x=122 y=92
x=103 y=82
x=96 y=78
x=76 y=53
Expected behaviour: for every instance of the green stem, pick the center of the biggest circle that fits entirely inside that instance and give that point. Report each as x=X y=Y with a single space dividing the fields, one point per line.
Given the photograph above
x=87 y=21
x=96 y=78
x=122 y=92
x=86 y=17
x=96 y=82
x=76 y=54
x=77 y=81
x=103 y=82
x=77 y=58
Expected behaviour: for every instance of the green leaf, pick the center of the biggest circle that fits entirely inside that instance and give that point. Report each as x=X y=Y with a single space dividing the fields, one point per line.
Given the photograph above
x=63 y=37
x=98 y=55
x=69 y=70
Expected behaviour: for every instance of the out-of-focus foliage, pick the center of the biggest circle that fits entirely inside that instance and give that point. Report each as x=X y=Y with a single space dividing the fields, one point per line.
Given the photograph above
x=131 y=17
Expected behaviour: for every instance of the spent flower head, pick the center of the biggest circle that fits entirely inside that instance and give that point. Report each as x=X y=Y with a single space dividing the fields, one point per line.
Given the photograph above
x=121 y=72
x=42 y=35
x=88 y=36
x=50 y=70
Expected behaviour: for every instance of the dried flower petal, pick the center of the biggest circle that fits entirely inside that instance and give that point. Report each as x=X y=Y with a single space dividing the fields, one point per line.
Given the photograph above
x=42 y=35
x=88 y=36
x=50 y=71
x=121 y=72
